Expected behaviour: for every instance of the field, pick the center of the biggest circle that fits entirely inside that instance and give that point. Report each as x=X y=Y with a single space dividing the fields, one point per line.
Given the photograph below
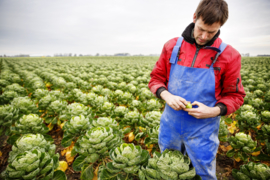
x=95 y=118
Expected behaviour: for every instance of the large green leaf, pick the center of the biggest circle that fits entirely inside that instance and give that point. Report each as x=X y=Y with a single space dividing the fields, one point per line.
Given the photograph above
x=59 y=175
x=12 y=139
x=230 y=153
x=79 y=163
x=66 y=141
x=111 y=168
x=104 y=174
x=48 y=138
x=228 y=120
x=87 y=172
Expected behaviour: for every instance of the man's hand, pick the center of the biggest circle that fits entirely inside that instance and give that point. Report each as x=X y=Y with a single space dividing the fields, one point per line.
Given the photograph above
x=203 y=111
x=175 y=102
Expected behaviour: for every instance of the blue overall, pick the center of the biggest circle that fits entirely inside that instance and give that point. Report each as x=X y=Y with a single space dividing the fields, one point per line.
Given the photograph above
x=181 y=131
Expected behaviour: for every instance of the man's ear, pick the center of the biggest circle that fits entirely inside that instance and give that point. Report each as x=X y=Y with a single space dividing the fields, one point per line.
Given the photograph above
x=194 y=17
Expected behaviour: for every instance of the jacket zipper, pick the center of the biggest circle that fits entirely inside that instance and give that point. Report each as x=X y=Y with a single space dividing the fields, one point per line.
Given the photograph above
x=196 y=54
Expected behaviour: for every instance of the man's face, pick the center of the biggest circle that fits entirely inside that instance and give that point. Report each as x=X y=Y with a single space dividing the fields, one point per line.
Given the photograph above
x=203 y=33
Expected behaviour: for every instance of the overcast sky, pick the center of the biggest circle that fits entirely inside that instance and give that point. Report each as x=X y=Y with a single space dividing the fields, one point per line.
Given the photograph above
x=46 y=27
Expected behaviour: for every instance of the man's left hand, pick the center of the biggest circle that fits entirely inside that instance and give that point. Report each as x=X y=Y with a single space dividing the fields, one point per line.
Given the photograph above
x=202 y=111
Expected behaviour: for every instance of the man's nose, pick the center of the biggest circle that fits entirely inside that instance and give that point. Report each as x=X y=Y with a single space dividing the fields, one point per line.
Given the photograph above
x=204 y=35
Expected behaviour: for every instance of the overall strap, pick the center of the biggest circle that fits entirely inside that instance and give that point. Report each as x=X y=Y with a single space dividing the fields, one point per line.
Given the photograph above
x=221 y=48
x=175 y=52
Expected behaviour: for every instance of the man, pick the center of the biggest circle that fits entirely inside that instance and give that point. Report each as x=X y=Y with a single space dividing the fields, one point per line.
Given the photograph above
x=205 y=71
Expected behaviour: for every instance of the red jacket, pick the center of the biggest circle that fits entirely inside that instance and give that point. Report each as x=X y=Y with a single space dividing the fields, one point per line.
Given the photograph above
x=228 y=91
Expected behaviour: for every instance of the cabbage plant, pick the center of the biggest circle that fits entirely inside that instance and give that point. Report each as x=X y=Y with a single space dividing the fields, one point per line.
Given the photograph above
x=25 y=105
x=265 y=116
x=54 y=110
x=223 y=131
x=75 y=109
x=7 y=97
x=168 y=165
x=132 y=118
x=145 y=94
x=258 y=93
x=242 y=145
x=30 y=123
x=257 y=103
x=91 y=97
x=119 y=112
x=33 y=164
x=245 y=107
x=267 y=96
x=105 y=109
x=46 y=101
x=8 y=116
x=252 y=170
x=40 y=93
x=135 y=105
x=248 y=120
x=104 y=122
x=28 y=142
x=152 y=135
x=152 y=105
x=151 y=119
x=127 y=160
x=16 y=88
x=94 y=145
x=77 y=126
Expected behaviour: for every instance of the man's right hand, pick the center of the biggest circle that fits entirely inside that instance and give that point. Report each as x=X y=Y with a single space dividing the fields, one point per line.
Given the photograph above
x=175 y=102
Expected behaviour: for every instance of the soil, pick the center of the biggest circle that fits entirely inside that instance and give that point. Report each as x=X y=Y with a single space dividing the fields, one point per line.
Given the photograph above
x=224 y=164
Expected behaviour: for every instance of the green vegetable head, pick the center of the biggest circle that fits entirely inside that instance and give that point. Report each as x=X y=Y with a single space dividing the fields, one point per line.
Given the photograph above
x=152 y=119
x=25 y=105
x=32 y=165
x=152 y=104
x=120 y=111
x=128 y=158
x=97 y=142
x=29 y=142
x=31 y=123
x=265 y=116
x=168 y=165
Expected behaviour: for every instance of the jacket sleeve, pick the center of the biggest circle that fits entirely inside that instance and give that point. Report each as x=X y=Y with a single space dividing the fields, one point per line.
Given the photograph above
x=232 y=94
x=159 y=73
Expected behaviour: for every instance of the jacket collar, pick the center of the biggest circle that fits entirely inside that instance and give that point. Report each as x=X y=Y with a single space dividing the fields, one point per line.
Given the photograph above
x=187 y=35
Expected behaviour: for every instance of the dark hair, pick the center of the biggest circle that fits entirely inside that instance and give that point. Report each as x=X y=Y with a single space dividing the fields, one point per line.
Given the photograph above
x=212 y=11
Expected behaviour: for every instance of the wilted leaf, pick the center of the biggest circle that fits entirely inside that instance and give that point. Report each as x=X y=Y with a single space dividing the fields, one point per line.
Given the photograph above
x=50 y=126
x=67 y=151
x=237 y=159
x=130 y=136
x=256 y=153
x=62 y=125
x=96 y=174
x=259 y=127
x=63 y=152
x=69 y=158
x=229 y=148
x=223 y=148
x=142 y=128
x=1 y=154
x=232 y=128
x=62 y=166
